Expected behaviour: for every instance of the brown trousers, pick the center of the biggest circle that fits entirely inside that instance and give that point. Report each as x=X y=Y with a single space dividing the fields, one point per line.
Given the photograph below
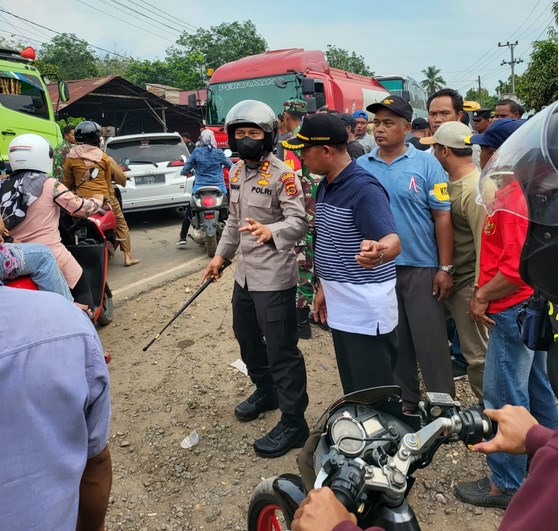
x=122 y=231
x=473 y=336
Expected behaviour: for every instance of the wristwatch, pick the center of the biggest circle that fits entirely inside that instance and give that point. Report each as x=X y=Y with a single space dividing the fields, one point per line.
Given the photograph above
x=450 y=269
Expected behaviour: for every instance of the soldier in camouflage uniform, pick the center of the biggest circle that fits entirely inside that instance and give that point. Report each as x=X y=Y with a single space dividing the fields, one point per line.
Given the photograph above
x=305 y=247
x=62 y=150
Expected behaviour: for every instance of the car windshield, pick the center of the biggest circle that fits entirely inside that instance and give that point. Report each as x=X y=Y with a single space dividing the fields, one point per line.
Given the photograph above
x=23 y=94
x=222 y=96
x=147 y=150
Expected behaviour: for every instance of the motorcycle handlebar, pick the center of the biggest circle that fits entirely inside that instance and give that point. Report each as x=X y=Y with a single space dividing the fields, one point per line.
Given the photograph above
x=349 y=478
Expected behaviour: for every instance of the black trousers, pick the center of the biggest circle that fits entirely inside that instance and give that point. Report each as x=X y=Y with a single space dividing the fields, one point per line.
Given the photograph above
x=186 y=222
x=365 y=361
x=422 y=335
x=274 y=361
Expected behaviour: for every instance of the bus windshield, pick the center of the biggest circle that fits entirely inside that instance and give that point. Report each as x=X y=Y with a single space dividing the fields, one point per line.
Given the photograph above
x=418 y=96
x=23 y=94
x=394 y=86
x=222 y=96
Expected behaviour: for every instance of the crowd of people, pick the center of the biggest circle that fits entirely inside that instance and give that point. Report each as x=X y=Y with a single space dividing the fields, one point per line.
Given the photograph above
x=378 y=238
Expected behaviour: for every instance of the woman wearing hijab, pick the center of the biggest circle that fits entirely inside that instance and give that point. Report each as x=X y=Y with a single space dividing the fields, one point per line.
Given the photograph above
x=208 y=162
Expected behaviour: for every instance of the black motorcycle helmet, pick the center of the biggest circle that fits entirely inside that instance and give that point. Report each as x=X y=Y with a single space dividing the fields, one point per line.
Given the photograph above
x=88 y=133
x=529 y=158
x=252 y=112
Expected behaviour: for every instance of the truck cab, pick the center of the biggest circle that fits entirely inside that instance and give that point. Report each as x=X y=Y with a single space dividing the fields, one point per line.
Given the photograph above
x=25 y=106
x=276 y=76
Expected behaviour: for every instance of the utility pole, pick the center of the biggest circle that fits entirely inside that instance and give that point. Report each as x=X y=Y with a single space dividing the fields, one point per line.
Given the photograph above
x=512 y=61
x=479 y=89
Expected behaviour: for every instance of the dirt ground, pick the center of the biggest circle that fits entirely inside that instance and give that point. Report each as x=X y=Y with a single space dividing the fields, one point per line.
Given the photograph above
x=185 y=383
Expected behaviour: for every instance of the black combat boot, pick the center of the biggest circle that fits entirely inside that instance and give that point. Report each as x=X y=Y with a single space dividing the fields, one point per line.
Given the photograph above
x=263 y=399
x=303 y=324
x=287 y=434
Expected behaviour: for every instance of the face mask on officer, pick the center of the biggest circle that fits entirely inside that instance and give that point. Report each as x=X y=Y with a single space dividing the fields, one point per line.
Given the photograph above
x=250 y=148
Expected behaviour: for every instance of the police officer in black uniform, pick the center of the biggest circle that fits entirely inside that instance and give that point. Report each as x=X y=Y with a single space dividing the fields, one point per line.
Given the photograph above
x=266 y=219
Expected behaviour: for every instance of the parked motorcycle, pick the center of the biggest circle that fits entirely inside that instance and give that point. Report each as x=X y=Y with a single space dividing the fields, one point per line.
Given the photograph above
x=366 y=451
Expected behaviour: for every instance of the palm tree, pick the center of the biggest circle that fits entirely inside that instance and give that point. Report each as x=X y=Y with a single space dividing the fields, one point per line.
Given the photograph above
x=503 y=88
x=433 y=81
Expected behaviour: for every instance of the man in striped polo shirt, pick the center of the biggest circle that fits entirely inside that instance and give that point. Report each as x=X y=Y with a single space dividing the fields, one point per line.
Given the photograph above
x=356 y=243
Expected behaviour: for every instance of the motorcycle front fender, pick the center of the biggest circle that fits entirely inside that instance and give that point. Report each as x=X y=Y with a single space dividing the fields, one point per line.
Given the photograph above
x=290 y=493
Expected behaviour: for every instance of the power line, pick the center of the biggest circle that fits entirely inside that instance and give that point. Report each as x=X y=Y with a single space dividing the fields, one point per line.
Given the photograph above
x=58 y=33
x=525 y=20
x=12 y=25
x=526 y=31
x=135 y=13
x=535 y=40
x=194 y=28
x=11 y=34
x=125 y=21
x=493 y=54
x=151 y=12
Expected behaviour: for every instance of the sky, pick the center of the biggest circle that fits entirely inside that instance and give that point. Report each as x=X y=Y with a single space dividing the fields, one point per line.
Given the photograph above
x=398 y=37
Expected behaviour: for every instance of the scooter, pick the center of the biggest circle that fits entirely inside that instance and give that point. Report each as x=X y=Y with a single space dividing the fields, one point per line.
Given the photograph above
x=209 y=207
x=367 y=451
x=90 y=240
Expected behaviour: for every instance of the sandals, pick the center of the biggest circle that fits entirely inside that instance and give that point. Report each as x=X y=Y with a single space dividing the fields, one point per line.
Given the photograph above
x=134 y=261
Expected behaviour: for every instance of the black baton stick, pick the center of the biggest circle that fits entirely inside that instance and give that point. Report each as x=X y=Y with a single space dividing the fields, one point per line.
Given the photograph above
x=226 y=263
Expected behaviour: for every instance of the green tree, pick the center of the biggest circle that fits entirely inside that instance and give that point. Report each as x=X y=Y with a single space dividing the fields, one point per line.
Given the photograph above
x=110 y=65
x=142 y=72
x=210 y=48
x=505 y=87
x=487 y=101
x=67 y=57
x=433 y=80
x=538 y=85
x=71 y=120
x=502 y=87
x=342 y=59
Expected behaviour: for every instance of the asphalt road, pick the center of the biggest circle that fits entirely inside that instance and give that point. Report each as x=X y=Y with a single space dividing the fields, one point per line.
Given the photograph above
x=154 y=234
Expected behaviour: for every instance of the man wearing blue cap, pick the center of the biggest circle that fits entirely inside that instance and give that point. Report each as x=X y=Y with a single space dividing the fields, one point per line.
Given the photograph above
x=514 y=374
x=361 y=135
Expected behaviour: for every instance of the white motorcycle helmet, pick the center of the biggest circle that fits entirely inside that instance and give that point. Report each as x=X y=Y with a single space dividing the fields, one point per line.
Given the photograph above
x=30 y=152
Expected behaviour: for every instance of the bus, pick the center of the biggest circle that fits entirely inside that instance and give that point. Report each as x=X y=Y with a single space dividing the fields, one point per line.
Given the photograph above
x=409 y=89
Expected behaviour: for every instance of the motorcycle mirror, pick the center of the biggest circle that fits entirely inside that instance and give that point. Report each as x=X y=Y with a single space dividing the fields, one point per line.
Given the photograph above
x=183 y=158
x=126 y=162
x=280 y=83
x=227 y=152
x=94 y=173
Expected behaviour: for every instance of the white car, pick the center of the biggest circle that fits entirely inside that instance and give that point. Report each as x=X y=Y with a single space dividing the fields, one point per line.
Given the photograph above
x=152 y=163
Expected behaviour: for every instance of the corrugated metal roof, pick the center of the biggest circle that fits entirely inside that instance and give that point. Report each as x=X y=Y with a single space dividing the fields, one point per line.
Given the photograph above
x=111 y=85
x=78 y=89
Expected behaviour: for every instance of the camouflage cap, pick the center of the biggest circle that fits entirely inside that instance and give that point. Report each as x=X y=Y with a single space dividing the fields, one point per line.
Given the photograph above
x=295 y=105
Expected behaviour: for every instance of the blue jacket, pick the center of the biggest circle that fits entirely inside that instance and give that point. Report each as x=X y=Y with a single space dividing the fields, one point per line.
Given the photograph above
x=208 y=164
